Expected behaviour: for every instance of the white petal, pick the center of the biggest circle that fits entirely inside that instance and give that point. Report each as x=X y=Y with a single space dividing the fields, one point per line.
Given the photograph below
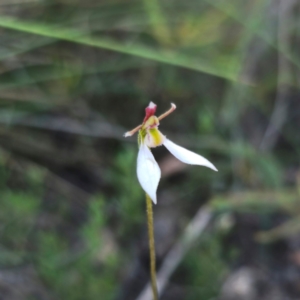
x=188 y=156
x=148 y=171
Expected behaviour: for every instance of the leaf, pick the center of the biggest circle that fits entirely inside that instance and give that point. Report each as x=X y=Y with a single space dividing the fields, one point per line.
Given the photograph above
x=218 y=68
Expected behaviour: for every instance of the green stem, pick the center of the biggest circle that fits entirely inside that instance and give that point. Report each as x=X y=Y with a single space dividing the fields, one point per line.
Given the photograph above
x=151 y=247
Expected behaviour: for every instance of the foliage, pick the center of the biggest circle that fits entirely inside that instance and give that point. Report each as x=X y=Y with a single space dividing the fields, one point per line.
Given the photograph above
x=75 y=75
x=83 y=273
x=203 y=269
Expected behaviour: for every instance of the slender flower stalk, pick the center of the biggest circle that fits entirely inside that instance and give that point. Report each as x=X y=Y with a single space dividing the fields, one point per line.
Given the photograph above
x=151 y=247
x=148 y=171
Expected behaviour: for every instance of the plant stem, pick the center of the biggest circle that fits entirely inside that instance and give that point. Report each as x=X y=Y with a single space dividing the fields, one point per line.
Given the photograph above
x=151 y=247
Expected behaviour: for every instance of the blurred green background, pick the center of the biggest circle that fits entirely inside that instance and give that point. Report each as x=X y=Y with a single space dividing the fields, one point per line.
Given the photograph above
x=76 y=75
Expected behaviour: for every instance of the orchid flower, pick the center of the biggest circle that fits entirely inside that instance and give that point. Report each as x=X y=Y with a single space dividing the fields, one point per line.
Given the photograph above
x=148 y=171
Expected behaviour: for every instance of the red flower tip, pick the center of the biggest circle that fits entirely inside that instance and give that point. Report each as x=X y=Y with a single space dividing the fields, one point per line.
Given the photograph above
x=150 y=111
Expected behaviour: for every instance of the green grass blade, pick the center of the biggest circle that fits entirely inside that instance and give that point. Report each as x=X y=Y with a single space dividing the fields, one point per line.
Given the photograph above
x=224 y=67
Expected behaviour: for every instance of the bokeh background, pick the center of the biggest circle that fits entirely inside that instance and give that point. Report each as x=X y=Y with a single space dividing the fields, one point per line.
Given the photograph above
x=75 y=75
